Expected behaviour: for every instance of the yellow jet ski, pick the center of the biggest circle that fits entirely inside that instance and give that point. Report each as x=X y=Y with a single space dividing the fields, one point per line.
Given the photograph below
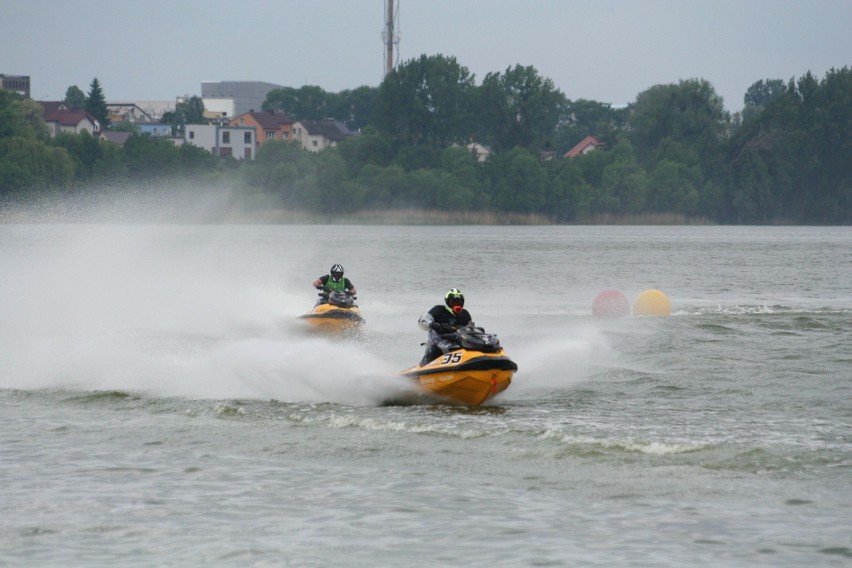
x=472 y=369
x=336 y=312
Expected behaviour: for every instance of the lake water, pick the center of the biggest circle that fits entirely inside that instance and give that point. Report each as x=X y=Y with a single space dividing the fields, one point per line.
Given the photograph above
x=162 y=406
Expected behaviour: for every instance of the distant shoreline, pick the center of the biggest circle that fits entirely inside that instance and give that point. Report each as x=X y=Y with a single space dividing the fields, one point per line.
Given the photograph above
x=224 y=214
x=435 y=217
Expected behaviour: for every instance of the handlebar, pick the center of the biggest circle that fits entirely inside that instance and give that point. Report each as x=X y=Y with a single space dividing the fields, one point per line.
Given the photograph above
x=324 y=291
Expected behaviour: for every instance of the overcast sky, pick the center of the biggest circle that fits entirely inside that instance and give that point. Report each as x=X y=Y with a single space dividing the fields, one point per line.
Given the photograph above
x=604 y=50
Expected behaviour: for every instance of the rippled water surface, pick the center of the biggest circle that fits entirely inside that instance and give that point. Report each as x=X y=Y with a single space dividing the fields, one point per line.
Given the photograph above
x=162 y=405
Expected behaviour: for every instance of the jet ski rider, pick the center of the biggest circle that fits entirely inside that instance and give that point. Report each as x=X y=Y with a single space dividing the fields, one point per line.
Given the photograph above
x=334 y=280
x=443 y=319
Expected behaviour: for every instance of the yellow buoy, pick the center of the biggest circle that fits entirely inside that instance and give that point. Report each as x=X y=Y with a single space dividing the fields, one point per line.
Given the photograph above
x=652 y=303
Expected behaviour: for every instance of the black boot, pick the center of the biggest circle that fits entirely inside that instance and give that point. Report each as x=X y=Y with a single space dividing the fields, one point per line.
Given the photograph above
x=431 y=352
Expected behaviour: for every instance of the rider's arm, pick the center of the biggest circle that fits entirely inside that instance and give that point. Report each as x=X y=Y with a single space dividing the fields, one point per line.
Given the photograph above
x=351 y=288
x=320 y=282
x=425 y=321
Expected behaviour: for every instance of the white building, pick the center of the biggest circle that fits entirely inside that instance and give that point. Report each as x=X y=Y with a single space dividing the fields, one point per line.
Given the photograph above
x=247 y=96
x=316 y=135
x=220 y=108
x=235 y=141
x=71 y=122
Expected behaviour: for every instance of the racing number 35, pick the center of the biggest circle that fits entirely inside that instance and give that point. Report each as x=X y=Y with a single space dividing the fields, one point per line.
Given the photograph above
x=451 y=358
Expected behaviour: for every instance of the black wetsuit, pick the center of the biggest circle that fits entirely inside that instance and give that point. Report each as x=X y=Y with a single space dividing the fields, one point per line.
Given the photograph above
x=448 y=322
x=443 y=316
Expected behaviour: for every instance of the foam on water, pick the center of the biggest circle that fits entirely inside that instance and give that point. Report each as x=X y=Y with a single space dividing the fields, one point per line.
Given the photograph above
x=629 y=445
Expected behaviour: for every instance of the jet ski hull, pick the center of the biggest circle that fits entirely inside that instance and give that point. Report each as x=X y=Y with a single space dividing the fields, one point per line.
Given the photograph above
x=465 y=377
x=333 y=319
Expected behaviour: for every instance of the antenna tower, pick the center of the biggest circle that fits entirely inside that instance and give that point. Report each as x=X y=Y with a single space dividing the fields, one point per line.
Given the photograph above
x=390 y=34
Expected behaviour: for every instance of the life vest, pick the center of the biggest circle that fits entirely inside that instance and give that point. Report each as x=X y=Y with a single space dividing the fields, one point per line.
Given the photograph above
x=331 y=285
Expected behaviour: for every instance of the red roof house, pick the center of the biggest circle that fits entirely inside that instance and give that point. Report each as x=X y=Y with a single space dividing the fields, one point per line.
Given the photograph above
x=74 y=121
x=267 y=125
x=586 y=145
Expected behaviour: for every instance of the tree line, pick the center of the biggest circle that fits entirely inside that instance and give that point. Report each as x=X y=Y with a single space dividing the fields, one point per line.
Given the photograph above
x=675 y=150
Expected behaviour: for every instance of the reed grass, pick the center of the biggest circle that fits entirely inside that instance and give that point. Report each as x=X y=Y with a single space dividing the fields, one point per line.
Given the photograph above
x=437 y=217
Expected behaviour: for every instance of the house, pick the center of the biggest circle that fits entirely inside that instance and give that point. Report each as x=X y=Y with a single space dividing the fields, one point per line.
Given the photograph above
x=49 y=107
x=153 y=109
x=267 y=125
x=586 y=145
x=219 y=108
x=222 y=140
x=16 y=83
x=480 y=153
x=316 y=135
x=127 y=112
x=116 y=137
x=73 y=121
x=155 y=129
x=243 y=95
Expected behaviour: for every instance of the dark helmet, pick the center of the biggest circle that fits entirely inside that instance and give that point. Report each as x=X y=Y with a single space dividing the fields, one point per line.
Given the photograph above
x=454 y=298
x=336 y=272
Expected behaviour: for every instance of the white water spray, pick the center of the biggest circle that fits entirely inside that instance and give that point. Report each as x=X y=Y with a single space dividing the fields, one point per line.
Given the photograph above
x=167 y=311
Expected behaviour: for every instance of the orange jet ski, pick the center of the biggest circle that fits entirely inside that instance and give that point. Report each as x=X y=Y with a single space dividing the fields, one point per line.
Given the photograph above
x=335 y=312
x=472 y=369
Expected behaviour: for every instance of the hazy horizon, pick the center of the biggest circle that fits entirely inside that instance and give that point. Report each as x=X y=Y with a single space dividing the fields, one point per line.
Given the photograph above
x=605 y=51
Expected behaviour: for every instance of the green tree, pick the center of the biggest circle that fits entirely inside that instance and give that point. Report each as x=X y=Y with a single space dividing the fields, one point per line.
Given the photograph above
x=563 y=179
x=624 y=181
x=430 y=188
x=763 y=92
x=75 y=97
x=465 y=192
x=583 y=118
x=281 y=100
x=96 y=103
x=308 y=102
x=110 y=167
x=192 y=109
x=792 y=160
x=760 y=94
x=285 y=174
x=673 y=187
x=28 y=167
x=688 y=114
x=828 y=176
x=21 y=117
x=518 y=181
x=188 y=111
x=426 y=101
x=414 y=157
x=518 y=108
x=753 y=200
x=334 y=194
x=384 y=187
x=355 y=107
x=28 y=164
x=84 y=149
x=370 y=148
x=150 y=158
